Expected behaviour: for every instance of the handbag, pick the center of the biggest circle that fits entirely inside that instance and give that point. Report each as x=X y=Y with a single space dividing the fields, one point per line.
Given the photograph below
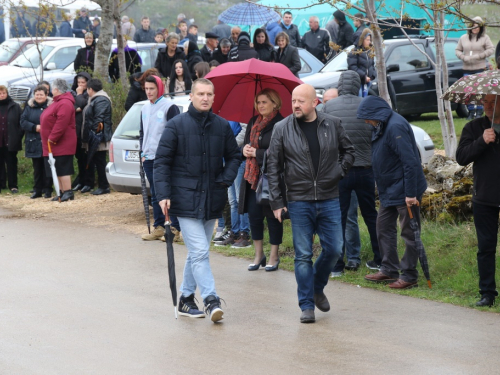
x=262 y=190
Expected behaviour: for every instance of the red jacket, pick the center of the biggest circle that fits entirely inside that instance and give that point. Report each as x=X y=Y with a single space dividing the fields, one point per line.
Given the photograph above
x=57 y=123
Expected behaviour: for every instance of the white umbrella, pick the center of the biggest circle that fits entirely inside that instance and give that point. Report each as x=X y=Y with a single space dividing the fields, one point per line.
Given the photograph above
x=52 y=163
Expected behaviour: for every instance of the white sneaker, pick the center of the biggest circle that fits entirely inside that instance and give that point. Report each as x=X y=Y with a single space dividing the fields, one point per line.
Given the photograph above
x=336 y=274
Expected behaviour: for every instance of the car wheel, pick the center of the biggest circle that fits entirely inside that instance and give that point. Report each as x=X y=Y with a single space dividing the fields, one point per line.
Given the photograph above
x=412 y=117
x=462 y=111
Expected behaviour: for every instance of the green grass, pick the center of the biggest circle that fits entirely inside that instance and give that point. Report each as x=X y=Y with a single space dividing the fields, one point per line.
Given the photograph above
x=430 y=123
x=451 y=251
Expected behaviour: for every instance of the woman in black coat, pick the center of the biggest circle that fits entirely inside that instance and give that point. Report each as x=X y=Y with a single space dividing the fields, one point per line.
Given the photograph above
x=257 y=140
x=361 y=60
x=133 y=62
x=193 y=57
x=287 y=54
x=85 y=57
x=11 y=136
x=262 y=46
x=136 y=92
x=30 y=123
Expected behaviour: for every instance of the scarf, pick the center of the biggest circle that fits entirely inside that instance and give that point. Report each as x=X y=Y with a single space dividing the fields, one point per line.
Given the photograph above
x=252 y=169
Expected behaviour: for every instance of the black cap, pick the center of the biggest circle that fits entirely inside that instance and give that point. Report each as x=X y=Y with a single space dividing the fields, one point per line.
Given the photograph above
x=211 y=36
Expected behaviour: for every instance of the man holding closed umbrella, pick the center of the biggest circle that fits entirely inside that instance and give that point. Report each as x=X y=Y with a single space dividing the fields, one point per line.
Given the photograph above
x=479 y=144
x=196 y=161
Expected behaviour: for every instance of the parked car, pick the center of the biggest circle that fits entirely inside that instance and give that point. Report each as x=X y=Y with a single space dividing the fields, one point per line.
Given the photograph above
x=22 y=89
x=410 y=70
x=13 y=47
x=122 y=170
x=309 y=64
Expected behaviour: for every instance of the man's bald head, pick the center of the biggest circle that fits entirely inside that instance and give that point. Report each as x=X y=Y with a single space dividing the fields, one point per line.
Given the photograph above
x=330 y=94
x=304 y=102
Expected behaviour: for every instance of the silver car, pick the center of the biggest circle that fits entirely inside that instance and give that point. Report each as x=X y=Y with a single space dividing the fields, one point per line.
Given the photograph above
x=122 y=170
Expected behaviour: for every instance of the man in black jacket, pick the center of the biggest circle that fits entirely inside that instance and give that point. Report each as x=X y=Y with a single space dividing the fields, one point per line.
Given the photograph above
x=346 y=32
x=291 y=29
x=360 y=178
x=144 y=34
x=480 y=144
x=197 y=159
x=313 y=152
x=82 y=24
x=210 y=47
x=359 y=22
x=243 y=50
x=97 y=118
x=316 y=41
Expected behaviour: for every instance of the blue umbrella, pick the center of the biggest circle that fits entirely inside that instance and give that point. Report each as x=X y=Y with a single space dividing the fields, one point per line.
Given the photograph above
x=249 y=14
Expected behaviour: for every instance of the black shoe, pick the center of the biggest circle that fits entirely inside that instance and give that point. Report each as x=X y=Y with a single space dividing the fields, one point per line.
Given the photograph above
x=486 y=301
x=255 y=267
x=472 y=115
x=307 y=316
x=77 y=187
x=67 y=196
x=100 y=191
x=14 y=190
x=372 y=265
x=47 y=194
x=212 y=308
x=321 y=302
x=352 y=266
x=85 y=189
x=55 y=199
x=271 y=268
x=188 y=307
x=35 y=195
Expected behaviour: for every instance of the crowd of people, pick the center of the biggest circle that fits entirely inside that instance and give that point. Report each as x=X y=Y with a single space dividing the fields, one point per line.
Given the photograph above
x=321 y=165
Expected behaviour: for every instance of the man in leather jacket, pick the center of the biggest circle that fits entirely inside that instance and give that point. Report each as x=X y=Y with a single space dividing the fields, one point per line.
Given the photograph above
x=313 y=151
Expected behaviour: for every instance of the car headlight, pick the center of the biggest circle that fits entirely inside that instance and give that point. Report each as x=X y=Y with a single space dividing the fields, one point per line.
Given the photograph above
x=427 y=137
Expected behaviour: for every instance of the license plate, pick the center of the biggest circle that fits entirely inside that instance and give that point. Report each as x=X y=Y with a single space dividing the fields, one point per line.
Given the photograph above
x=131 y=155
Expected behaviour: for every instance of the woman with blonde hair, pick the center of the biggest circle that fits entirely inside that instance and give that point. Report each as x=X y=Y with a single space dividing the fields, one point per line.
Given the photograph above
x=257 y=139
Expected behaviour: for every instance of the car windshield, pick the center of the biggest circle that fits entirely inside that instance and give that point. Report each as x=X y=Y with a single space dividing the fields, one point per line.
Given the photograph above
x=8 y=49
x=130 y=124
x=31 y=58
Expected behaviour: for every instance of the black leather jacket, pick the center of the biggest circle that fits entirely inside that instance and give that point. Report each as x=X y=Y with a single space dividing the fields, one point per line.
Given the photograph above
x=289 y=153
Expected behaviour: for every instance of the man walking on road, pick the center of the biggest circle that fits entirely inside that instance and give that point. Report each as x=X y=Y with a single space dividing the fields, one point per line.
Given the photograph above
x=401 y=184
x=313 y=152
x=196 y=161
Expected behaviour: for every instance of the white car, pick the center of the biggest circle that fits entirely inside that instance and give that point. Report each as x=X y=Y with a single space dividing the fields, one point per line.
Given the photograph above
x=122 y=170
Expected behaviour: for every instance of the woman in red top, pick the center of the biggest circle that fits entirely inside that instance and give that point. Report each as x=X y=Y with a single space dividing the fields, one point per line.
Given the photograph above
x=58 y=127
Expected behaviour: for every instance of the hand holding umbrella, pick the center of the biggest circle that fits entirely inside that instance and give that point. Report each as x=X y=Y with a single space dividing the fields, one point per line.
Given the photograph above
x=422 y=256
x=169 y=240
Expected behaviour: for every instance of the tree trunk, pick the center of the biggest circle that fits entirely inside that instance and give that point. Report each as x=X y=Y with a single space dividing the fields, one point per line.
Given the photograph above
x=122 y=66
x=379 y=50
x=103 y=49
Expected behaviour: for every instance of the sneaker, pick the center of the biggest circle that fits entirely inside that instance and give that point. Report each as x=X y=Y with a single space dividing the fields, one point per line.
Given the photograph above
x=372 y=265
x=336 y=274
x=212 y=308
x=219 y=234
x=242 y=242
x=156 y=234
x=229 y=239
x=177 y=235
x=187 y=307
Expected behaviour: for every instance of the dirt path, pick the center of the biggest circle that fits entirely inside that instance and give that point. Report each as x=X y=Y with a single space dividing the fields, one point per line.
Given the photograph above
x=113 y=212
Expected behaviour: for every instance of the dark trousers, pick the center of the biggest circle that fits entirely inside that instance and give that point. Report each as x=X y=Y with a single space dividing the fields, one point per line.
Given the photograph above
x=9 y=158
x=98 y=162
x=42 y=183
x=388 y=242
x=81 y=158
x=486 y=222
x=362 y=182
x=256 y=218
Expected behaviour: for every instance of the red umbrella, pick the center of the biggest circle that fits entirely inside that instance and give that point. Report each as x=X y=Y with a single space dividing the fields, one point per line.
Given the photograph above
x=237 y=83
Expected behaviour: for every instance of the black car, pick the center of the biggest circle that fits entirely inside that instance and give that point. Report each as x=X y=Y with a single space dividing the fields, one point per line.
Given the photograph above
x=411 y=72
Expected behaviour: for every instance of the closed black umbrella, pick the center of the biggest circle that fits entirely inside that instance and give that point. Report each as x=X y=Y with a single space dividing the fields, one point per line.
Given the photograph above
x=169 y=240
x=422 y=256
x=144 y=192
x=95 y=138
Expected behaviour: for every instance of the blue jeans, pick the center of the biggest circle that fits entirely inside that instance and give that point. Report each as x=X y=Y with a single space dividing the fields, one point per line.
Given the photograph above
x=352 y=241
x=323 y=218
x=157 y=212
x=197 y=234
x=239 y=223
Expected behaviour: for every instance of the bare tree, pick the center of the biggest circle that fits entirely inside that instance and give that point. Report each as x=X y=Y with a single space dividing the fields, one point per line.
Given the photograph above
x=103 y=48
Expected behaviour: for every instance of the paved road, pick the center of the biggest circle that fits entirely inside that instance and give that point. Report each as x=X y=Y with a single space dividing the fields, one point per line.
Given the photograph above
x=84 y=301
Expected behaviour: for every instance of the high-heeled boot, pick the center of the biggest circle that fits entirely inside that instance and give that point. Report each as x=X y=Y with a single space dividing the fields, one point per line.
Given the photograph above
x=67 y=196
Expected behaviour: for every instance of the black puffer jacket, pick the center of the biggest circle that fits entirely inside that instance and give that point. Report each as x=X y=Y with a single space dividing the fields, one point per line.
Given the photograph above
x=264 y=141
x=266 y=52
x=345 y=35
x=14 y=130
x=164 y=63
x=135 y=93
x=362 y=61
x=30 y=118
x=189 y=167
x=345 y=107
x=81 y=101
x=289 y=154
x=98 y=111
x=486 y=158
x=290 y=58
